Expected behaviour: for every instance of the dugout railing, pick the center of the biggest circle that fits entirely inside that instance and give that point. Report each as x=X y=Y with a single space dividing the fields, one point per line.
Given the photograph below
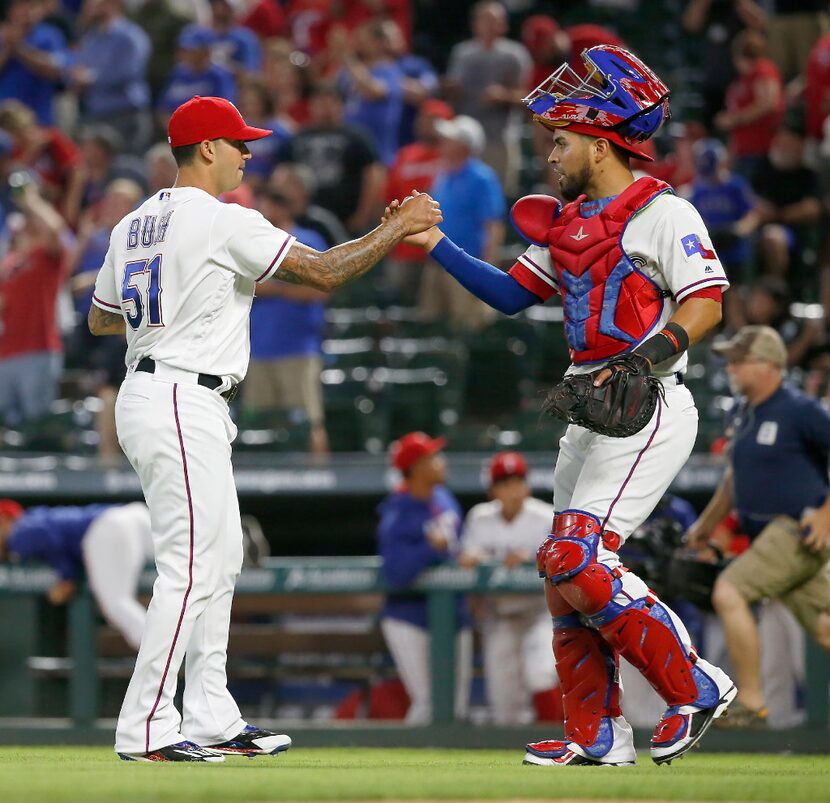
x=325 y=576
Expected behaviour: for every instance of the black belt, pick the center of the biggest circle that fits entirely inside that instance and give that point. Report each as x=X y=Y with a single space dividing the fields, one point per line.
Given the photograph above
x=209 y=381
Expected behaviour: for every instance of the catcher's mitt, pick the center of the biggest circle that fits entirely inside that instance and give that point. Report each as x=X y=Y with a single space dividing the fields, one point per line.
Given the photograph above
x=619 y=408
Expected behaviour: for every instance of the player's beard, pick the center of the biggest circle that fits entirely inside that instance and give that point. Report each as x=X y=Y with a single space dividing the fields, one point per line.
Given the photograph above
x=574 y=184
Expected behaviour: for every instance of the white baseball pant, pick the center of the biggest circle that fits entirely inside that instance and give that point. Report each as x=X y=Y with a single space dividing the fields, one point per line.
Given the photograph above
x=115 y=548
x=410 y=648
x=620 y=480
x=518 y=663
x=177 y=435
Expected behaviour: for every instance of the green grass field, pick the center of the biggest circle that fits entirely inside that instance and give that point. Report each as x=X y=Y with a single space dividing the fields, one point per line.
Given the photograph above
x=55 y=774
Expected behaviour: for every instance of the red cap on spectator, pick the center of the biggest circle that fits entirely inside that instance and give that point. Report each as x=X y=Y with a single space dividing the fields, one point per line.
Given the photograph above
x=507 y=464
x=10 y=509
x=436 y=108
x=537 y=31
x=406 y=451
x=209 y=118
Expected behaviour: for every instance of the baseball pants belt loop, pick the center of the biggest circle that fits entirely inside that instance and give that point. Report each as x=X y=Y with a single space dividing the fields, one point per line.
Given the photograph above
x=209 y=381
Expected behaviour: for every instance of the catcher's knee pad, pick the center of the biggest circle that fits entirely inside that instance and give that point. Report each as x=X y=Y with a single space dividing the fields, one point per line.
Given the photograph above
x=572 y=565
x=587 y=670
x=644 y=634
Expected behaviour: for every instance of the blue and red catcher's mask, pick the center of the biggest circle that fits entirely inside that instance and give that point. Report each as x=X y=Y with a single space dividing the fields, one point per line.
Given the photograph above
x=620 y=99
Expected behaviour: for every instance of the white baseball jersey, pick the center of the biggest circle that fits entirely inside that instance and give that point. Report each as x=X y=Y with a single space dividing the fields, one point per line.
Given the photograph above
x=488 y=535
x=667 y=241
x=182 y=269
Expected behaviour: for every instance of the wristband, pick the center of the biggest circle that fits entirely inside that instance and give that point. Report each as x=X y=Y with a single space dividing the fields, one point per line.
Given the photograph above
x=670 y=341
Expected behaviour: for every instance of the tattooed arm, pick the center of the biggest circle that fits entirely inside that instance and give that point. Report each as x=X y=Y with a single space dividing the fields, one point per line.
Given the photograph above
x=327 y=270
x=105 y=323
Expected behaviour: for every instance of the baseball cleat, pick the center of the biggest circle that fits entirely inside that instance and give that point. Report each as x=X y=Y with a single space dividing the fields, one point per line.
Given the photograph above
x=556 y=753
x=254 y=741
x=682 y=727
x=181 y=751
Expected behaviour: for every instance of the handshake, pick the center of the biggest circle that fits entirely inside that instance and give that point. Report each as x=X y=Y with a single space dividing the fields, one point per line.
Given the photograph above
x=419 y=215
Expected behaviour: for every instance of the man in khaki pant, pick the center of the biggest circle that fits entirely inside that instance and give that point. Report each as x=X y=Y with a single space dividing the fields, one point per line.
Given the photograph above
x=777 y=481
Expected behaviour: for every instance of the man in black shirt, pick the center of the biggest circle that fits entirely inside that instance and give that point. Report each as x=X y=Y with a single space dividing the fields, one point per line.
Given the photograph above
x=349 y=178
x=777 y=481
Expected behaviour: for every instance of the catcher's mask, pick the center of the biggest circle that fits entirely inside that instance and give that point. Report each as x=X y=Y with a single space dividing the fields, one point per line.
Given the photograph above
x=620 y=99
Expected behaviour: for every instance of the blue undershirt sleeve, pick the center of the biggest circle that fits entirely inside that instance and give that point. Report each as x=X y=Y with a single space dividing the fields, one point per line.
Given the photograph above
x=493 y=286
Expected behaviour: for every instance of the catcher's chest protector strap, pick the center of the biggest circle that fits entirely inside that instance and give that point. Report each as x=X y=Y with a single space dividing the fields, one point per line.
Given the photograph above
x=588 y=676
x=609 y=304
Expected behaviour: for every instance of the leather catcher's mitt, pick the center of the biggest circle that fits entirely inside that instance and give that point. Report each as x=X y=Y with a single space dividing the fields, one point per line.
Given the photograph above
x=619 y=408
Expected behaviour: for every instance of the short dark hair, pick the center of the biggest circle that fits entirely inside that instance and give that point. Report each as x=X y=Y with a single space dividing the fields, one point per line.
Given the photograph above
x=185 y=154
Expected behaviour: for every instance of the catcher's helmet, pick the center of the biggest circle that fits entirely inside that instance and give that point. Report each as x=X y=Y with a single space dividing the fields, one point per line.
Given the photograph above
x=620 y=98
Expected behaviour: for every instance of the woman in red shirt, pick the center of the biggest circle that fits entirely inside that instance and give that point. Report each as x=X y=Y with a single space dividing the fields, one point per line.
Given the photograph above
x=754 y=103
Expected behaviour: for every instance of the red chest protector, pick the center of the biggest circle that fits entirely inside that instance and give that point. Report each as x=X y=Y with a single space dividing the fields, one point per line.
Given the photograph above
x=609 y=304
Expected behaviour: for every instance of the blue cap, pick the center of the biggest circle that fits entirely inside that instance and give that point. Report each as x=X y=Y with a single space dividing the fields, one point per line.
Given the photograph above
x=196 y=36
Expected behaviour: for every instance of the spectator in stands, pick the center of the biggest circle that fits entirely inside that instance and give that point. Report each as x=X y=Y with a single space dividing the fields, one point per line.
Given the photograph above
x=371 y=85
x=516 y=630
x=287 y=324
x=32 y=58
x=419 y=528
x=788 y=209
x=32 y=271
x=420 y=81
x=102 y=161
x=718 y=22
x=485 y=78
x=726 y=204
x=195 y=73
x=109 y=73
x=235 y=47
x=794 y=26
x=549 y=45
x=349 y=178
x=768 y=304
x=46 y=151
x=777 y=481
x=102 y=356
x=817 y=89
x=160 y=167
x=473 y=204
x=266 y=18
x=257 y=106
x=415 y=168
x=286 y=74
x=296 y=182
x=162 y=23
x=754 y=103
x=106 y=545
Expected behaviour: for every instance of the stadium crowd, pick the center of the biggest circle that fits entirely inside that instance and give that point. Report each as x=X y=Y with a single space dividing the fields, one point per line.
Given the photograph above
x=369 y=99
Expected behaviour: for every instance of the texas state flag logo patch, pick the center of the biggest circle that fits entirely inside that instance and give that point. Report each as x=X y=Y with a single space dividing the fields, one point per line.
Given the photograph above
x=692 y=245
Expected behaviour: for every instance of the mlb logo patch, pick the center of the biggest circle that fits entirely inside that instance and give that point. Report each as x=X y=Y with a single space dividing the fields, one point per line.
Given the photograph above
x=692 y=245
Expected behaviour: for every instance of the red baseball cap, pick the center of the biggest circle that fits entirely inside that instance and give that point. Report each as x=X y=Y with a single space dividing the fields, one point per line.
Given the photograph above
x=406 y=451
x=209 y=118
x=436 y=108
x=507 y=464
x=10 y=509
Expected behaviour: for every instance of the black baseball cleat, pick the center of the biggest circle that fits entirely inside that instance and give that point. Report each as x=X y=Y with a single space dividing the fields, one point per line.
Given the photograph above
x=254 y=741
x=181 y=751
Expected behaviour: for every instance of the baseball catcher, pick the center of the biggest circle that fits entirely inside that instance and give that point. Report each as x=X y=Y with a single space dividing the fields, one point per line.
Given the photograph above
x=639 y=282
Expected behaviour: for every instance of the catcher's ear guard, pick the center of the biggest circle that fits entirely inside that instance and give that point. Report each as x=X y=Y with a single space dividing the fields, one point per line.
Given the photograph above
x=532 y=217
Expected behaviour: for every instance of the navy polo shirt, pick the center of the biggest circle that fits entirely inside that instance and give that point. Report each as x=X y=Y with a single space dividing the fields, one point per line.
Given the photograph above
x=780 y=453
